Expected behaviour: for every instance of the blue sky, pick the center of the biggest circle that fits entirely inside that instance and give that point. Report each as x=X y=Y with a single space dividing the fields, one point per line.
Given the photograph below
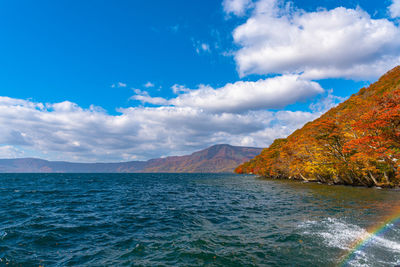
x=94 y=80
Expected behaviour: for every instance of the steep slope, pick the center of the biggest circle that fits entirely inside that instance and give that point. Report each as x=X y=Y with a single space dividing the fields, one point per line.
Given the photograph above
x=218 y=158
x=355 y=143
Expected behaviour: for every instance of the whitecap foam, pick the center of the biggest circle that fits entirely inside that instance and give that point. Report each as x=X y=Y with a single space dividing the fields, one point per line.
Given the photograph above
x=386 y=243
x=3 y=234
x=335 y=233
x=359 y=260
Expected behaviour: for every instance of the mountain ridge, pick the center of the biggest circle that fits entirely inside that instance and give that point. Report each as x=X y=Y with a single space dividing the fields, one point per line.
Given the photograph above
x=217 y=161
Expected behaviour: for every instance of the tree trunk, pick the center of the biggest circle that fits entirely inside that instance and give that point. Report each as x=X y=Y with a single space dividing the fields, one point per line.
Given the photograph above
x=373 y=179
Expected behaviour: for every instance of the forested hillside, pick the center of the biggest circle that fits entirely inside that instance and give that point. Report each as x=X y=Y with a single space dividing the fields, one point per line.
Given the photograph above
x=355 y=143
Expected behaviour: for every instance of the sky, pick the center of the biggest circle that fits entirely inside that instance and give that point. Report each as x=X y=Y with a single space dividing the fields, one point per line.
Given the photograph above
x=123 y=80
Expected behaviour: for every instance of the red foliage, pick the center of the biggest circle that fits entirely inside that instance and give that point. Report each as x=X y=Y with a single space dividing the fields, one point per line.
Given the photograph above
x=357 y=142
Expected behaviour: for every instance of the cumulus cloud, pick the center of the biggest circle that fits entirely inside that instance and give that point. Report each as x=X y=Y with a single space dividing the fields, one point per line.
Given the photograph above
x=343 y=43
x=394 y=9
x=236 y=7
x=149 y=84
x=241 y=96
x=70 y=132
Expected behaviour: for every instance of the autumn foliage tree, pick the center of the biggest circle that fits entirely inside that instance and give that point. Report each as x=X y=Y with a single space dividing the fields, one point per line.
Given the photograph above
x=377 y=146
x=355 y=143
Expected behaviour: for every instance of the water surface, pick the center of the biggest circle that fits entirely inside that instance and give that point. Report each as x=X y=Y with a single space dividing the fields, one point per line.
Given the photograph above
x=189 y=220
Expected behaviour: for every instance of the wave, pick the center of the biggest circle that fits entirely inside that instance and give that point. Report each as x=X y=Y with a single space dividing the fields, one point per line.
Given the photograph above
x=338 y=234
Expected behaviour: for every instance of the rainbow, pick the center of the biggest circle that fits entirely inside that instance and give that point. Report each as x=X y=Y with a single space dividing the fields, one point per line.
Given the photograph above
x=363 y=242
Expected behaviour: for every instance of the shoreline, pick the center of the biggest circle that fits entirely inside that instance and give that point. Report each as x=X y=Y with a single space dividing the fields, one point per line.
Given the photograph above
x=392 y=188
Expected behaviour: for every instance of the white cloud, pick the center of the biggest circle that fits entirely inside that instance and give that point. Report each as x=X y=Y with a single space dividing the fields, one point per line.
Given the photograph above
x=237 y=7
x=149 y=84
x=144 y=97
x=7 y=151
x=121 y=84
x=241 y=96
x=205 y=47
x=201 y=46
x=326 y=102
x=118 y=84
x=65 y=131
x=341 y=42
x=394 y=9
x=282 y=125
x=177 y=89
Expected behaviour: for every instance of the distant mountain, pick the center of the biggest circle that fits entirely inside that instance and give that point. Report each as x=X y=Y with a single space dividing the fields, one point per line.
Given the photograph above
x=355 y=143
x=218 y=158
x=215 y=159
x=32 y=165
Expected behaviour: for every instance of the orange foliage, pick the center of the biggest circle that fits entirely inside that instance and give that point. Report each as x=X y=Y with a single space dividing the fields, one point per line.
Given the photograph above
x=356 y=143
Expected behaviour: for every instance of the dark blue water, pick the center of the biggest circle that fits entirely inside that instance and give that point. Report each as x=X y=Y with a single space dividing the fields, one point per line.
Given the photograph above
x=189 y=220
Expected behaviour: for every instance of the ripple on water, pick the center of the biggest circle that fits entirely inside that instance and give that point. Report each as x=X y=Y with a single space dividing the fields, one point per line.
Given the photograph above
x=187 y=220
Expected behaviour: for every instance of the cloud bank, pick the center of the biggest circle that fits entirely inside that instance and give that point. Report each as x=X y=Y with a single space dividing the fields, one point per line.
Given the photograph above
x=69 y=132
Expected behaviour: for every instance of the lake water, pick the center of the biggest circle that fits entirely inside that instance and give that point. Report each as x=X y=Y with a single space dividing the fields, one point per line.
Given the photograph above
x=190 y=220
